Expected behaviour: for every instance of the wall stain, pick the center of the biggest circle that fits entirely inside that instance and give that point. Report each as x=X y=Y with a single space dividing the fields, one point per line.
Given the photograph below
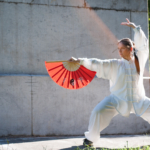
x=84 y=3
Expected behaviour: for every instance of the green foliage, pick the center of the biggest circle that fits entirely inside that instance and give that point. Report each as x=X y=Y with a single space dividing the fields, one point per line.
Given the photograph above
x=137 y=148
x=149 y=28
x=149 y=16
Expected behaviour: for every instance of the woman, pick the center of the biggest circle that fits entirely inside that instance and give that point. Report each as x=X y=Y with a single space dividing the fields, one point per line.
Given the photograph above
x=126 y=83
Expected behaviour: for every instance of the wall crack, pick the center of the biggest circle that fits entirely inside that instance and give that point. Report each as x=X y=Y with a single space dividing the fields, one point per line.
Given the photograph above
x=79 y=7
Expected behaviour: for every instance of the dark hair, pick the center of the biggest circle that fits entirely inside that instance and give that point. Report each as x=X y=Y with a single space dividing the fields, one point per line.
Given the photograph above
x=127 y=42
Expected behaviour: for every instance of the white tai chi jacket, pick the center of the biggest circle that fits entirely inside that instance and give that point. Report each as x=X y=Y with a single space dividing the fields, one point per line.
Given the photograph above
x=126 y=85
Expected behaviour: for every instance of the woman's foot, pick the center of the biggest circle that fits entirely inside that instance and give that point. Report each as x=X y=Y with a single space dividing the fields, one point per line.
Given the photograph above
x=86 y=142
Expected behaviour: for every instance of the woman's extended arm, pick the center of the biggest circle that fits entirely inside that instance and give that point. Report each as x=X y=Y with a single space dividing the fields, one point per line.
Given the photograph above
x=140 y=40
x=141 y=43
x=104 y=68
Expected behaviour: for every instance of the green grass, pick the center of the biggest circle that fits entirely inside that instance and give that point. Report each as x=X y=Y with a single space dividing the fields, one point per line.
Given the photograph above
x=137 y=148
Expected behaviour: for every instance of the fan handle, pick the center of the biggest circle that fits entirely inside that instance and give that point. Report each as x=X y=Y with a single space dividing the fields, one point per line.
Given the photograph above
x=55 y=61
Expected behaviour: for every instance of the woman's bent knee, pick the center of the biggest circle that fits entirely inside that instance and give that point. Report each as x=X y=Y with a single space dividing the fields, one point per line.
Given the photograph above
x=97 y=110
x=102 y=106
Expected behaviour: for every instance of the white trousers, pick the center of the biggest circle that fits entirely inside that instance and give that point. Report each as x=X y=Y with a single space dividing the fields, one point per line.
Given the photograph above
x=101 y=117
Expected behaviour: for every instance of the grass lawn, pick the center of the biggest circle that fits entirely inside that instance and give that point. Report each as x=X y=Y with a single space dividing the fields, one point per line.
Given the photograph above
x=138 y=148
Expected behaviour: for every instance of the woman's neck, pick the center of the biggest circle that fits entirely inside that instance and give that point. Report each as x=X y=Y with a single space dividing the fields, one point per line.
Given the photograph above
x=131 y=57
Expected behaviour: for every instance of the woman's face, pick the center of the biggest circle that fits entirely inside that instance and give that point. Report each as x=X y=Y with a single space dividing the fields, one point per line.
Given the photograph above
x=124 y=51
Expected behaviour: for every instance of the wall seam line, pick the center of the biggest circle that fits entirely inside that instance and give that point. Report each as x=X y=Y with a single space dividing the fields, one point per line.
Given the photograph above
x=31 y=109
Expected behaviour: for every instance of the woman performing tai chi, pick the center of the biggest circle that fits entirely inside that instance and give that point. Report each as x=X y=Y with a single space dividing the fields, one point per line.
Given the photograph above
x=126 y=83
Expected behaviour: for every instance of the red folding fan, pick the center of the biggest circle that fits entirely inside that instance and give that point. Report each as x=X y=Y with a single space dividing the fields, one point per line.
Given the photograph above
x=70 y=75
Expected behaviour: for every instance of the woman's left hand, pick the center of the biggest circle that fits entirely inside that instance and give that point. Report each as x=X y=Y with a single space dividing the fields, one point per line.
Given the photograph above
x=72 y=59
x=128 y=23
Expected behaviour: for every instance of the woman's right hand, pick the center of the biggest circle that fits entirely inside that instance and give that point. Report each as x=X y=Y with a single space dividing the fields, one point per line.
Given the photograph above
x=73 y=59
x=128 y=23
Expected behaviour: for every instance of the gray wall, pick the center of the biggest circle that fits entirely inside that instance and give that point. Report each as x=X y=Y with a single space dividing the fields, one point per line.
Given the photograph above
x=32 y=31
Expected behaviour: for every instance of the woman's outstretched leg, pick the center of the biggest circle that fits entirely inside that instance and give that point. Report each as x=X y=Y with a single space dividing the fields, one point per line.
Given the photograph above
x=100 y=118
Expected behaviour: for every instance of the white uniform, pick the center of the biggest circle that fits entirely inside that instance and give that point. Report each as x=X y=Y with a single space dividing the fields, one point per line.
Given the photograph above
x=126 y=87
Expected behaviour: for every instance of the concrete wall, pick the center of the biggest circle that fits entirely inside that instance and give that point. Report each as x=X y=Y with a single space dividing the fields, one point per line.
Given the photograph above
x=32 y=31
x=35 y=105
